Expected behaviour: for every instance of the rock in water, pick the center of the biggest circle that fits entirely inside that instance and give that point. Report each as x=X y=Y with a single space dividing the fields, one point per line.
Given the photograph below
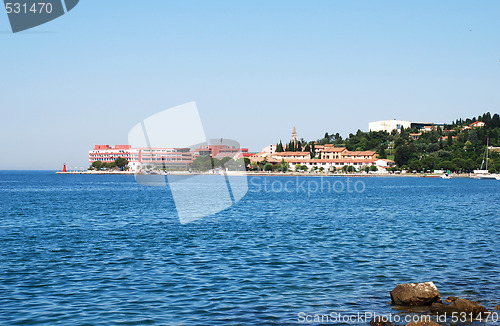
x=415 y=294
x=450 y=299
x=497 y=307
x=458 y=305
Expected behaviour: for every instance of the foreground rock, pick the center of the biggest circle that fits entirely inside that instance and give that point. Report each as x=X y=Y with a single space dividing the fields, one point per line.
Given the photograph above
x=423 y=323
x=415 y=294
x=458 y=305
x=497 y=307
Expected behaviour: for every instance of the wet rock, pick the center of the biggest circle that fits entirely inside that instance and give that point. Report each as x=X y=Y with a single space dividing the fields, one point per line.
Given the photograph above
x=423 y=323
x=497 y=307
x=458 y=305
x=450 y=299
x=415 y=294
x=380 y=321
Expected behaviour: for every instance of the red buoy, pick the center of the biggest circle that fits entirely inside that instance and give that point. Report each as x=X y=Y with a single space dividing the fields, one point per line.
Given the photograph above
x=64 y=167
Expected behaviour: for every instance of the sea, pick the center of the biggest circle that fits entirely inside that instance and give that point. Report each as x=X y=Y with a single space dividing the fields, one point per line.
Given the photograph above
x=106 y=250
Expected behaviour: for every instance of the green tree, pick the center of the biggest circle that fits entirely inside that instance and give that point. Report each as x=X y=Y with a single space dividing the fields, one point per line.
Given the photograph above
x=403 y=154
x=121 y=163
x=109 y=165
x=202 y=163
x=283 y=166
x=268 y=167
x=301 y=167
x=416 y=165
x=279 y=147
x=97 y=165
x=222 y=162
x=254 y=166
x=381 y=152
x=448 y=165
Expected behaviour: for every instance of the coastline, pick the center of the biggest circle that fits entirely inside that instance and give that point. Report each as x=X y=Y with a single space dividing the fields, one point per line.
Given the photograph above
x=287 y=174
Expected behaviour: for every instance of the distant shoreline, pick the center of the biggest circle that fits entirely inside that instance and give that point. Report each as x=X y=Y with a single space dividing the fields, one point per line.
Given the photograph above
x=289 y=174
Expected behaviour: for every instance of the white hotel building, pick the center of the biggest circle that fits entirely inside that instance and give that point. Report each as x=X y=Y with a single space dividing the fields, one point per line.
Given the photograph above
x=388 y=125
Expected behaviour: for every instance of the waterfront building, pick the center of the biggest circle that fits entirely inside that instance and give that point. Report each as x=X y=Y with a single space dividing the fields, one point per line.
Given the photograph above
x=338 y=164
x=291 y=155
x=160 y=156
x=108 y=154
x=330 y=158
x=384 y=163
x=331 y=165
x=271 y=149
x=331 y=152
x=318 y=149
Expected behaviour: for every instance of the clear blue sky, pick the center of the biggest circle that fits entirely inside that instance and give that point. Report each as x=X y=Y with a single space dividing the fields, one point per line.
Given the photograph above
x=255 y=69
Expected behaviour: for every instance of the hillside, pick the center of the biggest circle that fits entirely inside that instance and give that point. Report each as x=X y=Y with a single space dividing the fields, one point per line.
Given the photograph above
x=458 y=146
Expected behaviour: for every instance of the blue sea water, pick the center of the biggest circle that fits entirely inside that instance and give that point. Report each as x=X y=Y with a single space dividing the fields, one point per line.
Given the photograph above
x=93 y=250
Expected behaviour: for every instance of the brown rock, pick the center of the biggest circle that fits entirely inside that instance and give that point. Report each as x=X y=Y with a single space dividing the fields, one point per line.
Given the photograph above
x=497 y=307
x=415 y=294
x=458 y=305
x=450 y=299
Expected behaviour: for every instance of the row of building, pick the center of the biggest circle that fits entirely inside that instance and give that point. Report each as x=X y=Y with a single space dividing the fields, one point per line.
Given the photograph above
x=328 y=157
x=180 y=157
x=477 y=124
x=390 y=125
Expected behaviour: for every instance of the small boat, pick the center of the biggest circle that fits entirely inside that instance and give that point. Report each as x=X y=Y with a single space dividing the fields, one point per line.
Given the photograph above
x=488 y=176
x=485 y=174
x=445 y=176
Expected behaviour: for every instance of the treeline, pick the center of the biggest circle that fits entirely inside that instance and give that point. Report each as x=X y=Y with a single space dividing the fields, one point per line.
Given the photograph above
x=451 y=148
x=299 y=146
x=120 y=163
x=492 y=122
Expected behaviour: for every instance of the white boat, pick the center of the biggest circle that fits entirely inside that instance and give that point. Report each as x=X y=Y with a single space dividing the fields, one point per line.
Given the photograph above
x=484 y=174
x=488 y=176
x=445 y=176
